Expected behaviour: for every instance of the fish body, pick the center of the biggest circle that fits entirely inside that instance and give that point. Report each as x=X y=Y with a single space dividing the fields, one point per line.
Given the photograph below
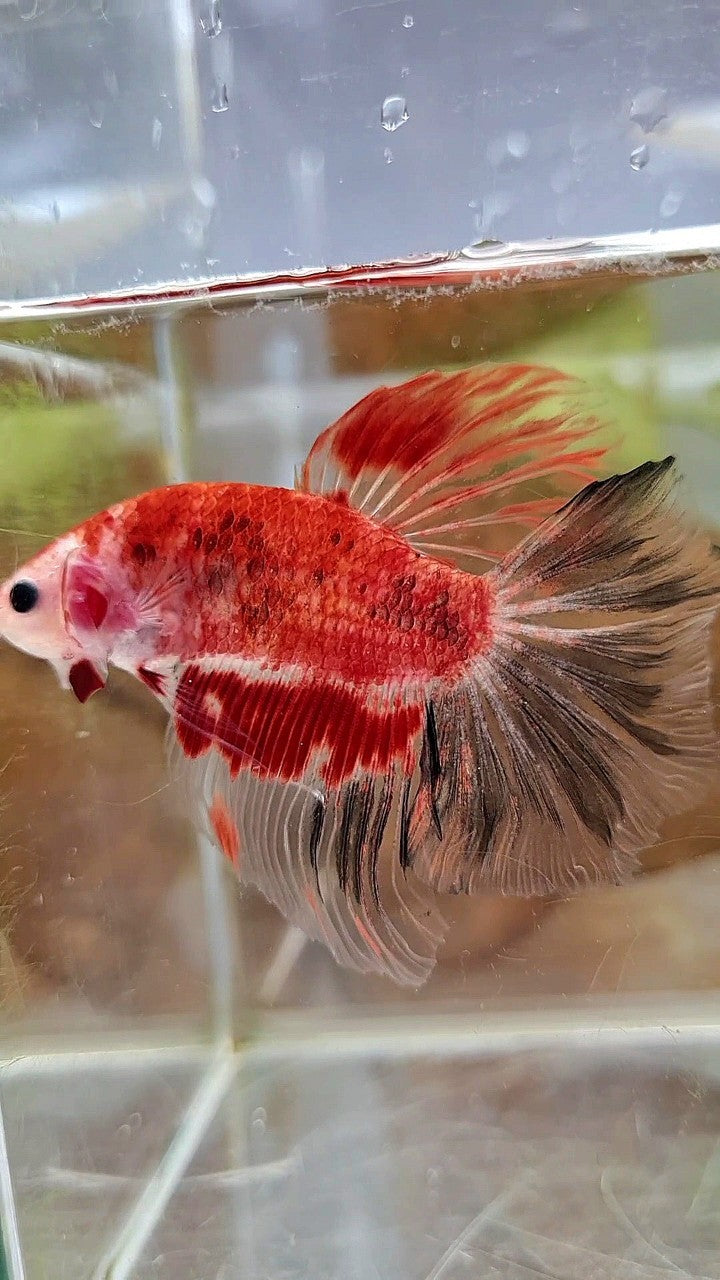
x=273 y=576
x=369 y=704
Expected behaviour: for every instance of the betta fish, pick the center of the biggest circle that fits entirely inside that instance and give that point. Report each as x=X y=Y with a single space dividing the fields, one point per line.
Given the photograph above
x=416 y=673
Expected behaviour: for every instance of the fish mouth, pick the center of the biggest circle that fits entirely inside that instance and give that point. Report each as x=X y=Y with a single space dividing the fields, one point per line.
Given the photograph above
x=85 y=679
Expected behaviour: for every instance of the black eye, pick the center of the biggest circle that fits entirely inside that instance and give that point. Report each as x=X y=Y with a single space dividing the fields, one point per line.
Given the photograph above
x=24 y=596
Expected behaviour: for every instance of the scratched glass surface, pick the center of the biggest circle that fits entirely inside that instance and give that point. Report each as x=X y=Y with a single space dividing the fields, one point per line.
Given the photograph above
x=189 y=1088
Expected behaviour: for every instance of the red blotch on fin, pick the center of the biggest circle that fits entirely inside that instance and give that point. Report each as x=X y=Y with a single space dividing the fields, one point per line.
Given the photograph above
x=153 y=680
x=85 y=679
x=225 y=828
x=405 y=425
x=278 y=728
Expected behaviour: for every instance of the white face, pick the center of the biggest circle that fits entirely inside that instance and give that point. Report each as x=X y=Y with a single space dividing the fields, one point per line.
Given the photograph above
x=33 y=618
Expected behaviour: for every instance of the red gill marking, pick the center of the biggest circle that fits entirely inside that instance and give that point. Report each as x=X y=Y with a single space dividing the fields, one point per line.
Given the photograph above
x=86 y=606
x=278 y=728
x=85 y=679
x=225 y=828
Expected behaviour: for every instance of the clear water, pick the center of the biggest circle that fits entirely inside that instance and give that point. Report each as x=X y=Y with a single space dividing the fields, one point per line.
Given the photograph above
x=190 y=1091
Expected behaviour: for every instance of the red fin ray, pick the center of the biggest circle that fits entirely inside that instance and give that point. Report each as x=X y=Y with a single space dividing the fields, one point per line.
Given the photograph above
x=441 y=444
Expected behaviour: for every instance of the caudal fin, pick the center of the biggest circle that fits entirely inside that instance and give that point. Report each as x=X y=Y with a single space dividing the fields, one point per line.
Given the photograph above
x=589 y=719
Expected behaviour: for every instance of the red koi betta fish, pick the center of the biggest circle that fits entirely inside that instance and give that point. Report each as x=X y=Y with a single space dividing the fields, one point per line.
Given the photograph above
x=339 y=679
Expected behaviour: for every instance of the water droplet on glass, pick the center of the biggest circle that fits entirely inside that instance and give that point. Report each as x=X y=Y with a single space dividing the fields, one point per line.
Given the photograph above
x=671 y=202
x=96 y=112
x=518 y=144
x=581 y=141
x=387 y=153
x=212 y=22
x=393 y=113
x=640 y=156
x=490 y=208
x=204 y=193
x=220 y=98
x=28 y=9
x=408 y=20
x=156 y=133
x=455 y=341
x=259 y=1119
x=563 y=178
x=508 y=146
x=235 y=152
x=194 y=220
x=570 y=25
x=649 y=107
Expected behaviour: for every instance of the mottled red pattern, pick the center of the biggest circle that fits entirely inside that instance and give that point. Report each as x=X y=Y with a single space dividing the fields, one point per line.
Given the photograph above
x=278 y=729
x=290 y=578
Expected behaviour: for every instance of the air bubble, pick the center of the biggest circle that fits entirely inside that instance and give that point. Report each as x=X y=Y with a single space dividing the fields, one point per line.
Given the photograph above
x=387 y=153
x=393 y=113
x=671 y=202
x=455 y=341
x=408 y=21
x=97 y=114
x=156 y=133
x=258 y=1120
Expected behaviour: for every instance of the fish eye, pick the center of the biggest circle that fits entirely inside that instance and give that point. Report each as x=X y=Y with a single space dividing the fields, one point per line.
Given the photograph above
x=24 y=596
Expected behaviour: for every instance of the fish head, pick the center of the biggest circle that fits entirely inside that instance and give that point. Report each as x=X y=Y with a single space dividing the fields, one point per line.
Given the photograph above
x=65 y=606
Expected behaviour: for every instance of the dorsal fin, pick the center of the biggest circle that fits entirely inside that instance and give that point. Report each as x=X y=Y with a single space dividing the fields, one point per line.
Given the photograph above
x=461 y=463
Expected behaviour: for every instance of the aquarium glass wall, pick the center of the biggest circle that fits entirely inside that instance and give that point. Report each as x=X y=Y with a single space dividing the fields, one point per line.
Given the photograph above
x=222 y=224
